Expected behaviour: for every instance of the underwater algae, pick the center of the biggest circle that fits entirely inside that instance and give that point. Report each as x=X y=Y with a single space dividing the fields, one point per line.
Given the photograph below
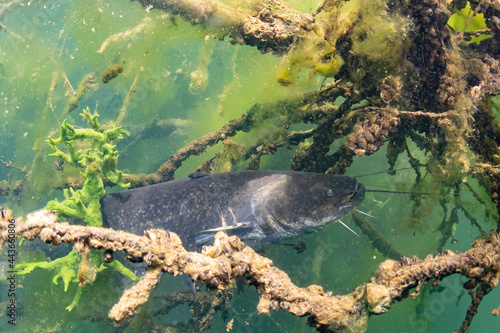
x=394 y=82
x=98 y=159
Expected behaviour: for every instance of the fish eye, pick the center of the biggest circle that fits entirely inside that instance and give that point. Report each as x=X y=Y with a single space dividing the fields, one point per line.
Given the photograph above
x=329 y=192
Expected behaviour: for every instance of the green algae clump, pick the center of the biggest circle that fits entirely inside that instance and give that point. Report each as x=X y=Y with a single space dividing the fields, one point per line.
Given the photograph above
x=347 y=33
x=100 y=159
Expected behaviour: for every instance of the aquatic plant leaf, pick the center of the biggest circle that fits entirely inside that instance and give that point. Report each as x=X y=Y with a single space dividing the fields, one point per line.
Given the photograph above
x=76 y=299
x=64 y=265
x=119 y=267
x=458 y=20
x=67 y=273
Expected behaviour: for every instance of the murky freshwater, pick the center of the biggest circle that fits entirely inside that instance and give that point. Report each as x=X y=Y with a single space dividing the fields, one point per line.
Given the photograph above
x=183 y=77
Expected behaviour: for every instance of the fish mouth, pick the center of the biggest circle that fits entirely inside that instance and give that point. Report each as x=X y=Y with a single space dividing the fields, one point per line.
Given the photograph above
x=359 y=194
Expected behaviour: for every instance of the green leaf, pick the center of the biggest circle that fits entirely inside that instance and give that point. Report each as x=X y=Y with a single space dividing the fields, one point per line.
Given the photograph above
x=458 y=20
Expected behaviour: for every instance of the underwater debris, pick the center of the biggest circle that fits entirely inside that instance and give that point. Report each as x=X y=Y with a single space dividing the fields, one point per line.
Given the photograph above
x=203 y=307
x=12 y=186
x=230 y=258
x=124 y=35
x=126 y=102
x=88 y=83
x=166 y=170
x=270 y=25
x=112 y=72
x=199 y=77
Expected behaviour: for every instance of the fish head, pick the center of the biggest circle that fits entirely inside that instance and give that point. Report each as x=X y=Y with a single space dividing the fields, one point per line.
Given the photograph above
x=307 y=202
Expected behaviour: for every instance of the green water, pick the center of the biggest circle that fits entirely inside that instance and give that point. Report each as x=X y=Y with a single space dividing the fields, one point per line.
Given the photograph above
x=198 y=83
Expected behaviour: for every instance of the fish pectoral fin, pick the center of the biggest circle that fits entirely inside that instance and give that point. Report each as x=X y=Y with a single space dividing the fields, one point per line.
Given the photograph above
x=197 y=175
x=202 y=239
x=206 y=236
x=190 y=284
x=229 y=227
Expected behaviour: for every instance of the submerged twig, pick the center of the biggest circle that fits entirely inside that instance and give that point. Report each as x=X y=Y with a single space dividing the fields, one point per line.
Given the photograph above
x=127 y=100
x=376 y=238
x=166 y=170
x=477 y=296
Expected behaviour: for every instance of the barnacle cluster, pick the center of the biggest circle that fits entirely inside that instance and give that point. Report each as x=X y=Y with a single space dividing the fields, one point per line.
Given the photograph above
x=447 y=91
x=370 y=134
x=390 y=88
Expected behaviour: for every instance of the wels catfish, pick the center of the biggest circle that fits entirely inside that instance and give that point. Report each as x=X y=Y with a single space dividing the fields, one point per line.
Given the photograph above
x=257 y=206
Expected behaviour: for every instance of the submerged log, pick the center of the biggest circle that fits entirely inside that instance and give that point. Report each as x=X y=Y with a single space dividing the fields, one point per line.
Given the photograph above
x=229 y=258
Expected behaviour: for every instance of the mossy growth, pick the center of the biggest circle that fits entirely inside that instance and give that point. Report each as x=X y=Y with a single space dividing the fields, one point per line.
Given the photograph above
x=99 y=159
x=377 y=35
x=313 y=53
x=363 y=29
x=112 y=72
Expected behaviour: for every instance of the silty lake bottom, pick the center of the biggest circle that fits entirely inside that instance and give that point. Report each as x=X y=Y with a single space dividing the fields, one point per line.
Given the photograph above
x=354 y=87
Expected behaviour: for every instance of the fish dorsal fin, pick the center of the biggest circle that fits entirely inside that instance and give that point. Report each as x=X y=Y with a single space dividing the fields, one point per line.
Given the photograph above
x=196 y=175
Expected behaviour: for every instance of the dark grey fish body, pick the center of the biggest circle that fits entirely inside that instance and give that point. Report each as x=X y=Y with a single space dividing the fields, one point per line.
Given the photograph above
x=257 y=206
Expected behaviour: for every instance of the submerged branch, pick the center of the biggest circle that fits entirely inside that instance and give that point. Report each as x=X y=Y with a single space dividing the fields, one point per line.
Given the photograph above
x=477 y=296
x=229 y=258
x=166 y=170
x=270 y=25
